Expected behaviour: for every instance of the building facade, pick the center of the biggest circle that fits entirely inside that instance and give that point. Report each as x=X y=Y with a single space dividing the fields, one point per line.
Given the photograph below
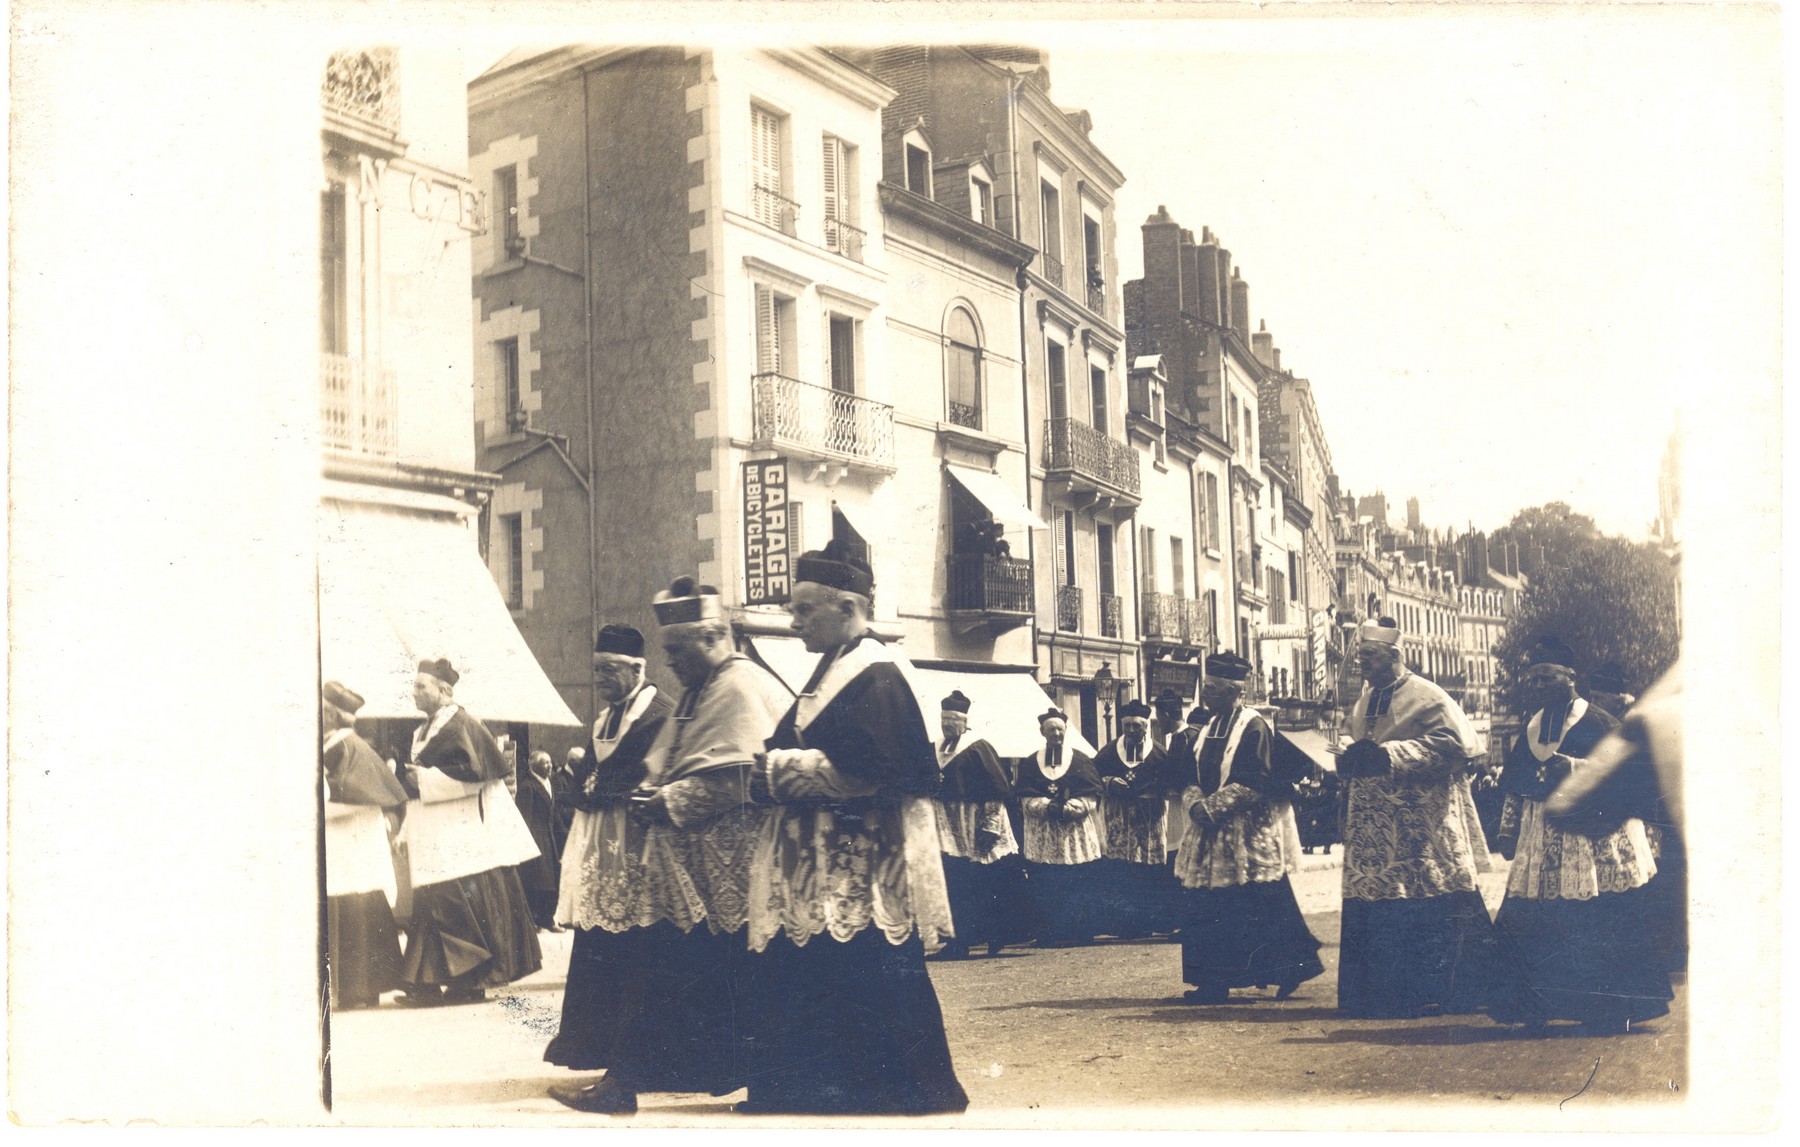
x=400 y=572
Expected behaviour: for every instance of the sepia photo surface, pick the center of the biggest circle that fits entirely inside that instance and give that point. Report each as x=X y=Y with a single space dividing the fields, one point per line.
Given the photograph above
x=418 y=352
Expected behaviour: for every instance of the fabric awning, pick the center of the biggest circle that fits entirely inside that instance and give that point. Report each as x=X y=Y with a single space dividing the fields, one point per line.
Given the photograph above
x=398 y=586
x=1004 y=706
x=1000 y=499
x=1312 y=743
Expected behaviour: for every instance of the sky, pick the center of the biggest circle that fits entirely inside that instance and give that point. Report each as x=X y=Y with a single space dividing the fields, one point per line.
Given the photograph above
x=1504 y=247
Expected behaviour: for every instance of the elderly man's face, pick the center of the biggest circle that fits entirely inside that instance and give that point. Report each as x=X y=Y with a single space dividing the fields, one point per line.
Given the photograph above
x=955 y=724
x=1135 y=728
x=1548 y=685
x=429 y=693
x=1377 y=662
x=1218 y=694
x=693 y=655
x=614 y=676
x=1053 y=732
x=820 y=617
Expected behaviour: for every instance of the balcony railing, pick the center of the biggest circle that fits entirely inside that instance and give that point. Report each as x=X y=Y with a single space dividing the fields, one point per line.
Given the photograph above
x=769 y=206
x=989 y=583
x=1096 y=297
x=824 y=422
x=1079 y=448
x=1162 y=618
x=963 y=414
x=1195 y=622
x=844 y=239
x=1052 y=268
x=1068 y=608
x=365 y=84
x=1112 y=615
x=357 y=410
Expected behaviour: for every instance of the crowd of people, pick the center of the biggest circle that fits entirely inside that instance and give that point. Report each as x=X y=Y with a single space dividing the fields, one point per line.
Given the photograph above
x=755 y=879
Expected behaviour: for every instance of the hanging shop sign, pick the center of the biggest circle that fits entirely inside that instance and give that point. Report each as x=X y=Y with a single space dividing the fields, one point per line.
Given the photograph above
x=768 y=556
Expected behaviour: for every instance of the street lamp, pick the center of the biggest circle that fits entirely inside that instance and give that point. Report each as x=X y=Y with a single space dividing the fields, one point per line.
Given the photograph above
x=1105 y=685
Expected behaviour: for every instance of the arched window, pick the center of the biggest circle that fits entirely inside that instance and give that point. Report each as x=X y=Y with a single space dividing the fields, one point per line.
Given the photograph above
x=962 y=369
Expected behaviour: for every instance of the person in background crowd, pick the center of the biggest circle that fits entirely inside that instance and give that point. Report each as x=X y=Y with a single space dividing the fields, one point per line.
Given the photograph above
x=601 y=894
x=471 y=928
x=1417 y=939
x=1606 y=688
x=540 y=875
x=1576 y=906
x=847 y=886
x=974 y=833
x=1059 y=795
x=362 y=940
x=683 y=1032
x=1243 y=926
x=1136 y=784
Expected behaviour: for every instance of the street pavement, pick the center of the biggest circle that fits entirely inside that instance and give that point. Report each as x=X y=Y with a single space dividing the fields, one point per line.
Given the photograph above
x=1093 y=1036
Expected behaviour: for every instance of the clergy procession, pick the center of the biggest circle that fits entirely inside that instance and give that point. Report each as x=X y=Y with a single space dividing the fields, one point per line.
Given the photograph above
x=759 y=883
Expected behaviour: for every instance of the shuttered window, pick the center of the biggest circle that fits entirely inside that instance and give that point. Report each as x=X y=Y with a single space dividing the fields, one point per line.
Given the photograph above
x=1065 y=549
x=1148 y=549
x=774 y=322
x=767 y=186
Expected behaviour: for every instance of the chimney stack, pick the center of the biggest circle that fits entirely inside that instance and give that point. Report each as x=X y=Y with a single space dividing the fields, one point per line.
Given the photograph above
x=1262 y=344
x=1207 y=258
x=1162 y=268
x=1190 y=272
x=1240 y=305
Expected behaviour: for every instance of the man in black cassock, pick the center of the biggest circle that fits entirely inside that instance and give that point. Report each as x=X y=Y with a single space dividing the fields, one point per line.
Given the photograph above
x=471 y=927
x=539 y=876
x=1137 y=782
x=974 y=833
x=360 y=794
x=847 y=886
x=1243 y=927
x=602 y=873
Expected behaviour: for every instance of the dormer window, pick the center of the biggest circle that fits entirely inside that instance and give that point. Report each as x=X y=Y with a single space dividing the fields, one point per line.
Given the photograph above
x=917 y=152
x=981 y=194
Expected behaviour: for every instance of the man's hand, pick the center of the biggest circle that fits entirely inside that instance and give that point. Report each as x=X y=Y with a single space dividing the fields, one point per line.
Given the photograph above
x=1508 y=846
x=1557 y=770
x=1200 y=816
x=986 y=840
x=1364 y=758
x=648 y=807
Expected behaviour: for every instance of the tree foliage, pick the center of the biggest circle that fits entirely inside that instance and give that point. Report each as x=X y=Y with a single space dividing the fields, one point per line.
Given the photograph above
x=1610 y=599
x=1556 y=527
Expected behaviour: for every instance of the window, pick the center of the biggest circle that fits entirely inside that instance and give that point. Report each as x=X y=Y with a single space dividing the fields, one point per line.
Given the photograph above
x=1055 y=357
x=1212 y=511
x=512 y=535
x=1232 y=429
x=334 y=257
x=1149 y=551
x=1065 y=549
x=1278 y=598
x=1097 y=388
x=1293 y=574
x=1249 y=431
x=1212 y=618
x=918 y=170
x=841 y=352
x=768 y=171
x=981 y=200
x=839 y=208
x=506 y=212
x=507 y=352
x=1103 y=535
x=1050 y=231
x=1178 y=567
x=774 y=332
x=1090 y=242
x=962 y=369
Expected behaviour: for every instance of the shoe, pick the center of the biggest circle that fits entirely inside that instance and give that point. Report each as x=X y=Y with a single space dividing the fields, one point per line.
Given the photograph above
x=428 y=997
x=949 y=952
x=607 y=1097
x=995 y=947
x=1206 y=996
x=1286 y=988
x=453 y=996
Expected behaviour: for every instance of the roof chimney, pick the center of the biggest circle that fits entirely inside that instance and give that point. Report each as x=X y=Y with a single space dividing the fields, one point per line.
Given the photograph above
x=1162 y=268
x=1240 y=305
x=1262 y=343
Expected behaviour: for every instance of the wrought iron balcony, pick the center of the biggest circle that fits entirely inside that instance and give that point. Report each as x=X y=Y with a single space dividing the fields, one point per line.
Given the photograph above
x=844 y=239
x=1089 y=460
x=963 y=414
x=767 y=205
x=357 y=412
x=365 y=84
x=830 y=425
x=1196 y=623
x=1096 y=298
x=1164 y=619
x=1112 y=615
x=997 y=588
x=1052 y=269
x=1068 y=608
